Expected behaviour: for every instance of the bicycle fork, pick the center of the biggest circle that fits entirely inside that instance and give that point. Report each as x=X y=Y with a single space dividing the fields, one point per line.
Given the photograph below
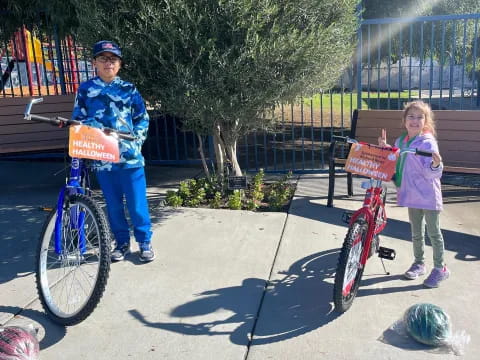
x=76 y=224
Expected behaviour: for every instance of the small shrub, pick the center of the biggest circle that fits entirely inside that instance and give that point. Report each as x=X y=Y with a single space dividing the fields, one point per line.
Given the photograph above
x=173 y=199
x=256 y=194
x=213 y=192
x=216 y=201
x=184 y=190
x=280 y=193
x=235 y=200
x=251 y=205
x=197 y=193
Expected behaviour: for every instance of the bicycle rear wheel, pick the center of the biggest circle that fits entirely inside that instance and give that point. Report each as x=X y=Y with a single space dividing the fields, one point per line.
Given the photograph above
x=349 y=270
x=71 y=280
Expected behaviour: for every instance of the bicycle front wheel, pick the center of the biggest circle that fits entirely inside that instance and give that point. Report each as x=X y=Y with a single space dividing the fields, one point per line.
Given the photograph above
x=73 y=262
x=349 y=270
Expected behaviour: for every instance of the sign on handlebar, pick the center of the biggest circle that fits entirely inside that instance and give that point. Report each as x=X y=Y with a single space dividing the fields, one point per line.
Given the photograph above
x=91 y=143
x=372 y=161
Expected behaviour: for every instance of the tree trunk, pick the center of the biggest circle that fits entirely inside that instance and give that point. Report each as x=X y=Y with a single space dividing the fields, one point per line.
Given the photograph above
x=232 y=154
x=226 y=150
x=202 y=155
x=219 y=152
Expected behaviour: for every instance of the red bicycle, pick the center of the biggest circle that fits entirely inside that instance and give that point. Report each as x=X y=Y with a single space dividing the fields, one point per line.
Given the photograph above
x=362 y=240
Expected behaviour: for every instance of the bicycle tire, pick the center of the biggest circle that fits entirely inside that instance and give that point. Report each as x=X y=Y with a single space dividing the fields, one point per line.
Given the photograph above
x=349 y=272
x=70 y=285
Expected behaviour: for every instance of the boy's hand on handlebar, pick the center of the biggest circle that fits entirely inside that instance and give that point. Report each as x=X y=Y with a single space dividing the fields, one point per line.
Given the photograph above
x=110 y=132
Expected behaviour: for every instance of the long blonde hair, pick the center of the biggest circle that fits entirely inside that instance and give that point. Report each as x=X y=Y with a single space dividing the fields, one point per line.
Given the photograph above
x=427 y=111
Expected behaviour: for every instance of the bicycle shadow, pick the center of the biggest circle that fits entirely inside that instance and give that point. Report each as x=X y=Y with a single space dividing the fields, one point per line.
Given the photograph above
x=272 y=310
x=48 y=332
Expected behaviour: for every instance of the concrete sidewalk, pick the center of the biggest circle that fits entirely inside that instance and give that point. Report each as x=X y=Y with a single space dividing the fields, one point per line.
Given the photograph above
x=222 y=275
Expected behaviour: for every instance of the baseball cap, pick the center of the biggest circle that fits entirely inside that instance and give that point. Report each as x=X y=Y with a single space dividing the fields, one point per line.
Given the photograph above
x=106 y=46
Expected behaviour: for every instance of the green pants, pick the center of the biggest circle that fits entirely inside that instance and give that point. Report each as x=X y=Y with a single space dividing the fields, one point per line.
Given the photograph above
x=418 y=218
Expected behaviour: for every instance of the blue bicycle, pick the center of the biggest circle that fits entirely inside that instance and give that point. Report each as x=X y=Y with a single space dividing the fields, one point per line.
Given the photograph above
x=73 y=255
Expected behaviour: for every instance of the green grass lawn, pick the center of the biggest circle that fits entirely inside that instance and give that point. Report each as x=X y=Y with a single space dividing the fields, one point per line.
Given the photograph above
x=335 y=109
x=349 y=100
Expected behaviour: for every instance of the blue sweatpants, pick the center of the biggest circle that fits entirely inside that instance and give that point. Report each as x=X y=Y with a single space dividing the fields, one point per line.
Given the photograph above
x=131 y=185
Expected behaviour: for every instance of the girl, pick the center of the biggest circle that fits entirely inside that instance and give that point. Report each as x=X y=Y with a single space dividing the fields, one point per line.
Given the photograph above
x=418 y=187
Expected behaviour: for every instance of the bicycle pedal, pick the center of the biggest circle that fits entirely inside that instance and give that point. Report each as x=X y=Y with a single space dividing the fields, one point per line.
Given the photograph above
x=386 y=253
x=346 y=216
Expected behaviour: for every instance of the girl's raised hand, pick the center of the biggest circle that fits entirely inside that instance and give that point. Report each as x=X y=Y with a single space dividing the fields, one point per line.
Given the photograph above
x=382 y=139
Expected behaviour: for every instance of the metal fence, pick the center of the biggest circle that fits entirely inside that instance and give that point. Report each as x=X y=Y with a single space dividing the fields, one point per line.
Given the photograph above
x=434 y=58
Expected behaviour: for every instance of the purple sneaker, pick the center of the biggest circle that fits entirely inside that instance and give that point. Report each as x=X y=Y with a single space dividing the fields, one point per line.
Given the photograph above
x=415 y=271
x=436 y=276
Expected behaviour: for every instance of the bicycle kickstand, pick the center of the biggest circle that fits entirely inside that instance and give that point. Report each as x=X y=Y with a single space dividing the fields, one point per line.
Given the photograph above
x=384 y=268
x=386 y=253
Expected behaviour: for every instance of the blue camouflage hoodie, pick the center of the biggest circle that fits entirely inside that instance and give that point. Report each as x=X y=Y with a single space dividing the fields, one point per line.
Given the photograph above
x=100 y=104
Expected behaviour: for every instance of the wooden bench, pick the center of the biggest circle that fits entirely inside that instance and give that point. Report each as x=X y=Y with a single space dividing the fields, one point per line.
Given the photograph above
x=18 y=135
x=457 y=131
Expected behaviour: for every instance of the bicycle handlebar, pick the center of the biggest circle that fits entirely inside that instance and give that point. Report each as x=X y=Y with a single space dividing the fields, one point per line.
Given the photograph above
x=416 y=152
x=60 y=121
x=348 y=140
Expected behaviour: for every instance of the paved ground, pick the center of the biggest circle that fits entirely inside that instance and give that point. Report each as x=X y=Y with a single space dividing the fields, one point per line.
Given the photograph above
x=241 y=285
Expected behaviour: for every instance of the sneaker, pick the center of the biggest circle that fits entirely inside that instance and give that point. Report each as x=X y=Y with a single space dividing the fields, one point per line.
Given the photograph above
x=146 y=253
x=415 y=271
x=119 y=253
x=436 y=276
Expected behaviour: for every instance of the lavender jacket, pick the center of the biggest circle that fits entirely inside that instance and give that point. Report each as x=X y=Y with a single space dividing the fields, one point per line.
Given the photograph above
x=421 y=188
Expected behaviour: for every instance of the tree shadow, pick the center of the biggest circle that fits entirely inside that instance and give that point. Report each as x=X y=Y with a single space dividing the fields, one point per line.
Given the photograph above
x=49 y=332
x=295 y=303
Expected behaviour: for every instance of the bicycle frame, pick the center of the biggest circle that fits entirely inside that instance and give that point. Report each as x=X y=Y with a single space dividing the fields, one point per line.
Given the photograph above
x=372 y=205
x=72 y=187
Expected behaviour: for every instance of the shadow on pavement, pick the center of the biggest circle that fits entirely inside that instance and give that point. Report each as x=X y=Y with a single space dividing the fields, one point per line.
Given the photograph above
x=366 y=281
x=466 y=246
x=49 y=332
x=297 y=303
x=21 y=222
x=22 y=215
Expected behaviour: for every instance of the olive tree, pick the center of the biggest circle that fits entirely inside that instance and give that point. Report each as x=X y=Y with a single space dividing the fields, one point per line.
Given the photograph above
x=223 y=65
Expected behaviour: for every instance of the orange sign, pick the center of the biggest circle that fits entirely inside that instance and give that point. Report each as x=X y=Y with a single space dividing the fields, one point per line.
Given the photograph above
x=372 y=161
x=91 y=143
